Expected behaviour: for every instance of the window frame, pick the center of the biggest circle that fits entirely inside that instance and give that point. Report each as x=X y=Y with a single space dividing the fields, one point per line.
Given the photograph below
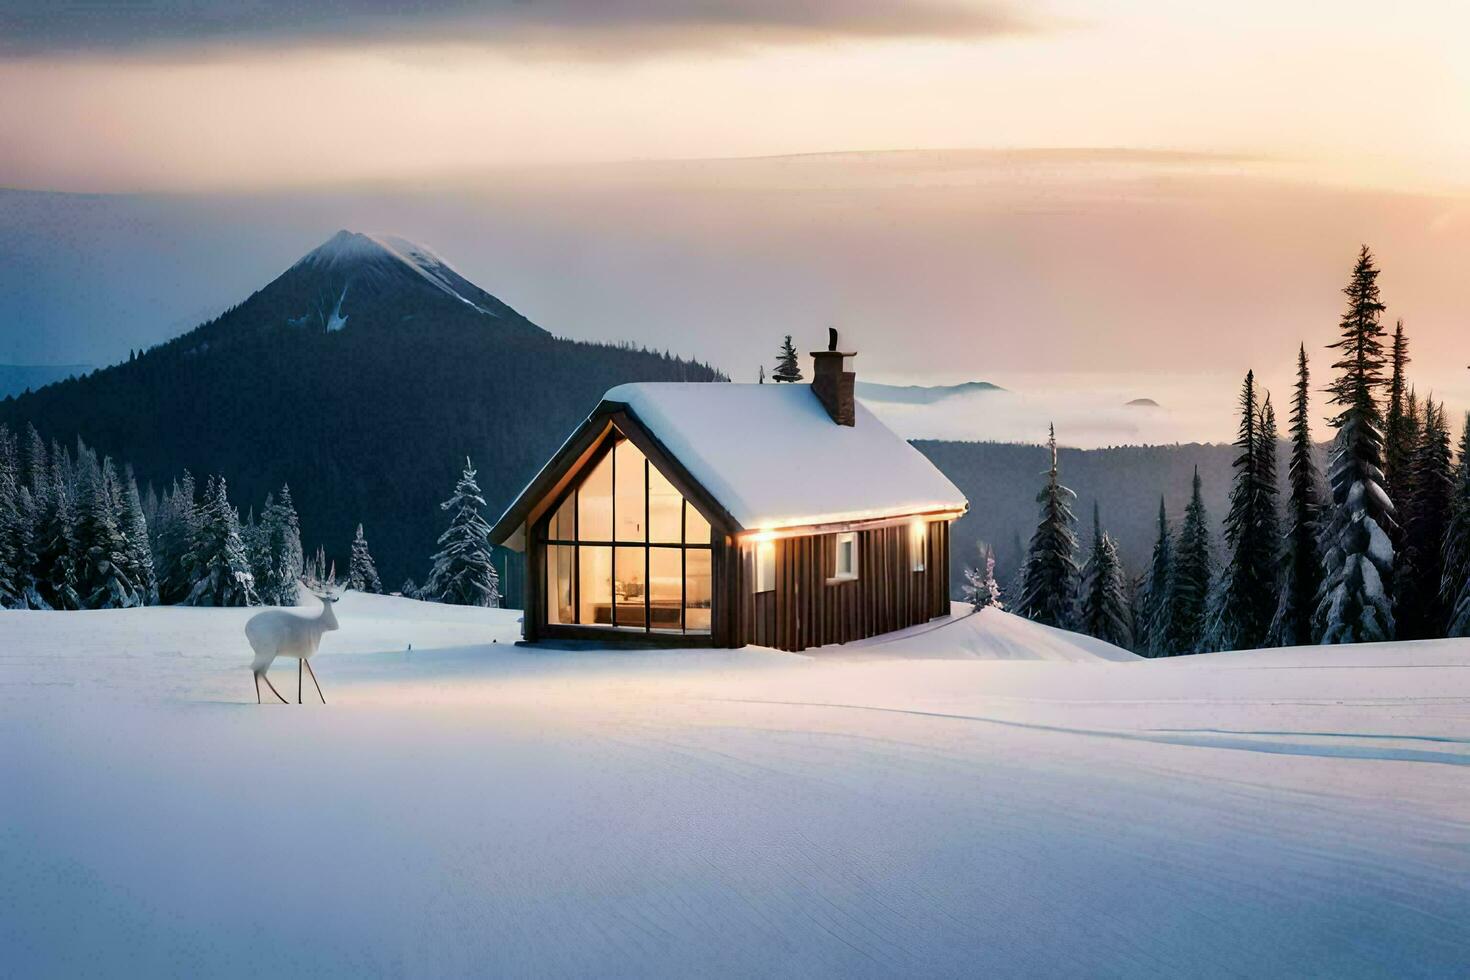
x=546 y=541
x=838 y=540
x=764 y=579
x=919 y=546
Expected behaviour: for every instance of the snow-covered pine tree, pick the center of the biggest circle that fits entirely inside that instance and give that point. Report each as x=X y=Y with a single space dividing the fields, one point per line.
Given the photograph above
x=139 y=554
x=55 y=539
x=463 y=573
x=1399 y=424
x=1049 y=594
x=1189 y=587
x=1454 y=587
x=1244 y=600
x=101 y=581
x=1300 y=574
x=1105 y=611
x=1421 y=612
x=362 y=572
x=10 y=522
x=980 y=588
x=173 y=541
x=278 y=562
x=1151 y=627
x=788 y=368
x=1356 y=603
x=221 y=568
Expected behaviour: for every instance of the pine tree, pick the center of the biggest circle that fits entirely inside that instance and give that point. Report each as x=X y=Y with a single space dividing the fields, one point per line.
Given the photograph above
x=463 y=573
x=1356 y=603
x=10 y=523
x=1300 y=574
x=278 y=561
x=980 y=589
x=1105 y=612
x=1399 y=428
x=100 y=579
x=1245 y=598
x=173 y=541
x=55 y=539
x=218 y=560
x=138 y=557
x=1049 y=595
x=1152 y=623
x=362 y=573
x=1421 y=612
x=787 y=366
x=1454 y=588
x=1189 y=590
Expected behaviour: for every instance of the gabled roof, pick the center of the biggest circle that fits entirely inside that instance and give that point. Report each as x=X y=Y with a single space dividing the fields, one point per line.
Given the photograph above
x=768 y=455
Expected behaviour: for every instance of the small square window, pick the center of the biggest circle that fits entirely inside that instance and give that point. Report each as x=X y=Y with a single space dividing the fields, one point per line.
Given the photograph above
x=918 y=543
x=765 y=566
x=847 y=557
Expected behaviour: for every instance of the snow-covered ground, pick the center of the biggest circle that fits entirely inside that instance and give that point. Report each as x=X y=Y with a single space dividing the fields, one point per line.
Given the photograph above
x=977 y=797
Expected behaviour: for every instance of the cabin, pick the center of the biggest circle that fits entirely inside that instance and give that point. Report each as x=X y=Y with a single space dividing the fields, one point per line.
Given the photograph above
x=707 y=514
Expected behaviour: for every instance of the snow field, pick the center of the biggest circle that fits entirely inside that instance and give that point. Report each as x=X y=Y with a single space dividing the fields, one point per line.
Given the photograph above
x=477 y=808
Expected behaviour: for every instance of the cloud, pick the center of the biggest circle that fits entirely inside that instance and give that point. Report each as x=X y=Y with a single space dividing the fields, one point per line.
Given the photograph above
x=599 y=28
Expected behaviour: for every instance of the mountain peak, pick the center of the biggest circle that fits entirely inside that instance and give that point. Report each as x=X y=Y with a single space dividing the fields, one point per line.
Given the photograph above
x=359 y=258
x=353 y=247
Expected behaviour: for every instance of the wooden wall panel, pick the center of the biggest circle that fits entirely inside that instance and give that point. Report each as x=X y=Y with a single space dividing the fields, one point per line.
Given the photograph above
x=806 y=609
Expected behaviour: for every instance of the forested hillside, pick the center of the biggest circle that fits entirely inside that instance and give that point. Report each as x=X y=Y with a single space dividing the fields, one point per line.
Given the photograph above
x=1002 y=479
x=362 y=377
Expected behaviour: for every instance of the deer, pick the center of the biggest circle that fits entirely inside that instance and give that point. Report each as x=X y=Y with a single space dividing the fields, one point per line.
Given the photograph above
x=284 y=633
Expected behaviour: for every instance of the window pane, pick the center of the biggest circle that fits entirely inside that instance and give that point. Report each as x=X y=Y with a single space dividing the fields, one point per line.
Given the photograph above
x=696 y=528
x=563 y=522
x=918 y=543
x=664 y=503
x=559 y=584
x=629 y=507
x=594 y=579
x=594 y=503
x=847 y=555
x=628 y=588
x=665 y=588
x=765 y=566
x=697 y=590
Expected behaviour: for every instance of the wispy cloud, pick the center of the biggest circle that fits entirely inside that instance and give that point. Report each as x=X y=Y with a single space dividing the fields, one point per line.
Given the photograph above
x=598 y=28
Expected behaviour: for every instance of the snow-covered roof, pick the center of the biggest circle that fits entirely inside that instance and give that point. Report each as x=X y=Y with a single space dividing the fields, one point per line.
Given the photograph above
x=772 y=456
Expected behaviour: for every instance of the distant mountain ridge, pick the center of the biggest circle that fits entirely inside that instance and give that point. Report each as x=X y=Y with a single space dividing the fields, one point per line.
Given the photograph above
x=363 y=375
x=920 y=394
x=16 y=378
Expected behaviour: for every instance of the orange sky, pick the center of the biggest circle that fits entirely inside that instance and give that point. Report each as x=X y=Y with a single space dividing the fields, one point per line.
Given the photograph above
x=1350 y=91
x=1304 y=128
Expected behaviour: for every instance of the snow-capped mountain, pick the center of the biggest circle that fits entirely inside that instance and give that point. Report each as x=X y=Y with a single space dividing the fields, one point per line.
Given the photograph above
x=363 y=376
x=383 y=279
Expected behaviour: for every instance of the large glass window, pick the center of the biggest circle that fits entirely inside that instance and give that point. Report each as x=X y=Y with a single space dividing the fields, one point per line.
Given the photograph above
x=559 y=558
x=625 y=550
x=697 y=590
x=595 y=501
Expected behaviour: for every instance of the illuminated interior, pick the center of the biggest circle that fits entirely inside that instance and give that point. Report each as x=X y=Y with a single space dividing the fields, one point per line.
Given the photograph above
x=625 y=550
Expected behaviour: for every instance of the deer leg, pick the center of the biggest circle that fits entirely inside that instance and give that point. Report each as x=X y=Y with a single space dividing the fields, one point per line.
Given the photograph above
x=257 y=687
x=314 y=681
x=298 y=680
x=265 y=677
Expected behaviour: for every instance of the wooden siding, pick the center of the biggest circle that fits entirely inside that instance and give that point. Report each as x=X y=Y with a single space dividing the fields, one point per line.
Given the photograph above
x=808 y=609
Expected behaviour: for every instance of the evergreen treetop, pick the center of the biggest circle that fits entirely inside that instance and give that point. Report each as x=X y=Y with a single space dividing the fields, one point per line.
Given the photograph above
x=1049 y=591
x=1300 y=574
x=1356 y=603
x=464 y=573
x=788 y=368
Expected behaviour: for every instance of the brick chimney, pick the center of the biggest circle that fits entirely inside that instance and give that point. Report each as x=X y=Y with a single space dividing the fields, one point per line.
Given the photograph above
x=832 y=382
